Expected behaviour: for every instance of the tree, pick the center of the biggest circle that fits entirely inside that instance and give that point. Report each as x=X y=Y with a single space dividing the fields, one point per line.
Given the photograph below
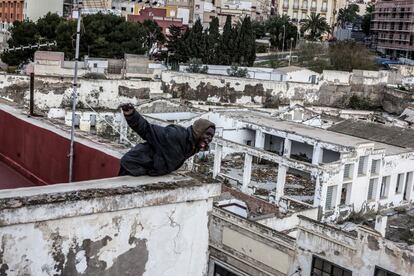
x=235 y=71
x=315 y=26
x=349 y=55
x=196 y=42
x=195 y=67
x=22 y=34
x=259 y=29
x=153 y=33
x=227 y=42
x=47 y=25
x=366 y=19
x=246 y=44
x=176 y=45
x=107 y=36
x=236 y=44
x=279 y=26
x=347 y=15
x=214 y=51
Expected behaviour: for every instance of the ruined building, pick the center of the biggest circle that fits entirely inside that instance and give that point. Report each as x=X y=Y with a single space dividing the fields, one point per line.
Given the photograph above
x=343 y=173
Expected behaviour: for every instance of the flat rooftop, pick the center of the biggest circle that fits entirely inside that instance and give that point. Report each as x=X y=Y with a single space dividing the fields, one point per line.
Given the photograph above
x=396 y=136
x=327 y=136
x=10 y=178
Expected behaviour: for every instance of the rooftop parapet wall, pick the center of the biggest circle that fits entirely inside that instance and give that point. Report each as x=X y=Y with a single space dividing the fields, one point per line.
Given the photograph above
x=117 y=226
x=55 y=92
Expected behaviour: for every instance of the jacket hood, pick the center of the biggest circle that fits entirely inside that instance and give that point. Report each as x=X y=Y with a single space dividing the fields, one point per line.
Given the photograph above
x=200 y=126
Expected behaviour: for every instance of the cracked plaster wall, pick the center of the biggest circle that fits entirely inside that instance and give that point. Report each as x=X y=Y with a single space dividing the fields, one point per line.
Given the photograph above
x=359 y=252
x=334 y=90
x=158 y=240
x=237 y=242
x=55 y=92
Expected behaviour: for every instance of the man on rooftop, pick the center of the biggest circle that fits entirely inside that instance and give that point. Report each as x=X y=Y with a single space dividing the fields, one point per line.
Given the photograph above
x=166 y=148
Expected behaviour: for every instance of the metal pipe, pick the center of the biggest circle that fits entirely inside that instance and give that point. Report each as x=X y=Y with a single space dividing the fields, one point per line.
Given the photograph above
x=31 y=107
x=290 y=52
x=74 y=93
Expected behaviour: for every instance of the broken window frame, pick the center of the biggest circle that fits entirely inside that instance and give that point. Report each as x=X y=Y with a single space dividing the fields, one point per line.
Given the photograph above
x=362 y=165
x=409 y=178
x=345 y=197
x=348 y=176
x=399 y=187
x=330 y=200
x=327 y=268
x=372 y=189
x=385 y=183
x=375 y=166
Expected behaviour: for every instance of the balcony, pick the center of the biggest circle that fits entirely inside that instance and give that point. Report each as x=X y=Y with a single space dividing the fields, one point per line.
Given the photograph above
x=408 y=20
x=394 y=46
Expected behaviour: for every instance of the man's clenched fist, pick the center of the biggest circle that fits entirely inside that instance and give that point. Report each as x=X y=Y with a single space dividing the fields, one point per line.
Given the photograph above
x=127 y=108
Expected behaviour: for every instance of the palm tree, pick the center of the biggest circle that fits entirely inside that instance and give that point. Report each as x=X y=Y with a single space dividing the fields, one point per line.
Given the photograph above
x=347 y=15
x=281 y=30
x=315 y=26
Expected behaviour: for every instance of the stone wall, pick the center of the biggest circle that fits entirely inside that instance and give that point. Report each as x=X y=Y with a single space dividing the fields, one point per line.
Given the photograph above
x=107 y=94
x=118 y=226
x=55 y=92
x=370 y=85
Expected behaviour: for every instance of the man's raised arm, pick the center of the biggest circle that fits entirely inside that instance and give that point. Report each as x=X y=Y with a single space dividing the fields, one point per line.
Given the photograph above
x=149 y=132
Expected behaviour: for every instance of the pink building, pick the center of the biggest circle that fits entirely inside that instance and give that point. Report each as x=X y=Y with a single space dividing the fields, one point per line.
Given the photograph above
x=159 y=16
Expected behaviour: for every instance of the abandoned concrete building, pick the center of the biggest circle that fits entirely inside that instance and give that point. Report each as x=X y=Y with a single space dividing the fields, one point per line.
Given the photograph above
x=249 y=236
x=343 y=173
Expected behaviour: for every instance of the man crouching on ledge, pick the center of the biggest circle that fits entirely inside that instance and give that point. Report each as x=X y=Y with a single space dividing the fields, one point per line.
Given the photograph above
x=166 y=148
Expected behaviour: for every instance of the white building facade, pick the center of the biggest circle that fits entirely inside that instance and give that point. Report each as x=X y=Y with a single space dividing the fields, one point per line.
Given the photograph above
x=349 y=174
x=35 y=9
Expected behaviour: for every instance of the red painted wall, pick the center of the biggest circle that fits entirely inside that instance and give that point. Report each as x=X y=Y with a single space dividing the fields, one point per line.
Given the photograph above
x=42 y=155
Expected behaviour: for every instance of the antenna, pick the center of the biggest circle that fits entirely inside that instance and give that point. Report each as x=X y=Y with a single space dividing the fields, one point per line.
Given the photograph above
x=76 y=13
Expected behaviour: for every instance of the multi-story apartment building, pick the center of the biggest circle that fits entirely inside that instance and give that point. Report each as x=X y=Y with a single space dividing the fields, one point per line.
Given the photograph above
x=299 y=10
x=256 y=9
x=393 y=27
x=11 y=10
x=96 y=4
x=35 y=9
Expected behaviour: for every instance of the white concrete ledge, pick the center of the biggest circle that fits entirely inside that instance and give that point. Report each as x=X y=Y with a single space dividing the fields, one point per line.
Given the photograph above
x=27 y=205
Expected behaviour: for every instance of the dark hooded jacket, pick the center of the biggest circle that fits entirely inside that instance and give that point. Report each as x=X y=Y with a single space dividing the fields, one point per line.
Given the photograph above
x=165 y=149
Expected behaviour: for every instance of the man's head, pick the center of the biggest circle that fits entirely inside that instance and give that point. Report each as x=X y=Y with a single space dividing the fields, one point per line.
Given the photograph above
x=203 y=131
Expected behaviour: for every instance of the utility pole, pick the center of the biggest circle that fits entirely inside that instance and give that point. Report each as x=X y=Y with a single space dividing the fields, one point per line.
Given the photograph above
x=290 y=52
x=75 y=13
x=283 y=41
